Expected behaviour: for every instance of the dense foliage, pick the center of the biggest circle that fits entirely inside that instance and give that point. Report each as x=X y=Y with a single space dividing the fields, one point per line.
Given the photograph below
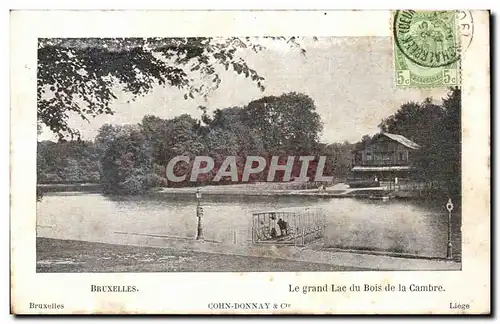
x=132 y=158
x=79 y=76
x=67 y=162
x=437 y=129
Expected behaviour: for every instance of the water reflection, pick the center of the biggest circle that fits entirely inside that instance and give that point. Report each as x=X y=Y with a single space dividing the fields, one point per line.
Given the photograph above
x=397 y=226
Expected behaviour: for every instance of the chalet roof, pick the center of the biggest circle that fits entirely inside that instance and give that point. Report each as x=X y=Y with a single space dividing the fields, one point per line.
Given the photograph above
x=403 y=140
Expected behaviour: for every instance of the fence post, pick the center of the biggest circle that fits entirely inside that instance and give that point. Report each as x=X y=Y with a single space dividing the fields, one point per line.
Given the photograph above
x=295 y=231
x=449 y=207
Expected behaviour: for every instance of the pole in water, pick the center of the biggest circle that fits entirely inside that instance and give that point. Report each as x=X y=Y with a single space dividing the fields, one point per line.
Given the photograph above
x=199 y=215
x=199 y=212
x=449 y=207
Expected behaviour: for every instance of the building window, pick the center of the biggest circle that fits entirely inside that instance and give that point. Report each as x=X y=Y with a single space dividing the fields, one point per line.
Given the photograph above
x=402 y=156
x=368 y=156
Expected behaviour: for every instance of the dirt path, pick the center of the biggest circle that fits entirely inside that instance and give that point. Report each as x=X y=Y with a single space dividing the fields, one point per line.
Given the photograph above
x=79 y=256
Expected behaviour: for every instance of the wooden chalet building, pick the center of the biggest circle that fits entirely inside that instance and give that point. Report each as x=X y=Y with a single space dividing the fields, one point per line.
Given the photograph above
x=385 y=157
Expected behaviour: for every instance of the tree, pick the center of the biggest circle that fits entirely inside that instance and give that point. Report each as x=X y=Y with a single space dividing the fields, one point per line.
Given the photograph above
x=339 y=159
x=156 y=132
x=183 y=137
x=365 y=140
x=72 y=172
x=67 y=162
x=127 y=165
x=439 y=159
x=414 y=120
x=231 y=120
x=222 y=142
x=108 y=133
x=287 y=124
x=80 y=75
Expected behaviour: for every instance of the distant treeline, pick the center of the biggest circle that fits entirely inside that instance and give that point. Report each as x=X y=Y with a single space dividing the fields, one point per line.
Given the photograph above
x=132 y=158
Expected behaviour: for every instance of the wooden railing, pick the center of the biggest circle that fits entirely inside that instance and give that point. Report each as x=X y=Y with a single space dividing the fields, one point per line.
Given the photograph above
x=301 y=226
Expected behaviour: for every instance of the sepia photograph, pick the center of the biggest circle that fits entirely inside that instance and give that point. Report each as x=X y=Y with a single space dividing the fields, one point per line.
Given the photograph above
x=242 y=154
x=250 y=162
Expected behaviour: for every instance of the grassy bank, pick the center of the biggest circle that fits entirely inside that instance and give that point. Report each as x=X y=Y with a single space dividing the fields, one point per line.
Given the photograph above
x=79 y=256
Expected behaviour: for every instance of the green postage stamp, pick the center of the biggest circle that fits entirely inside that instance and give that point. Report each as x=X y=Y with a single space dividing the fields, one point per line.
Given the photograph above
x=426 y=49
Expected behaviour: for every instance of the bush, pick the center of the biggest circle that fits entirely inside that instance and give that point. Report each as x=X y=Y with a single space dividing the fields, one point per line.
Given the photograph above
x=50 y=178
x=138 y=183
x=93 y=177
x=133 y=185
x=153 y=180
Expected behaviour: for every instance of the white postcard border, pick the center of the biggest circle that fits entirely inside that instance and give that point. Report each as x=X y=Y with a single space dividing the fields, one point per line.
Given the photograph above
x=191 y=292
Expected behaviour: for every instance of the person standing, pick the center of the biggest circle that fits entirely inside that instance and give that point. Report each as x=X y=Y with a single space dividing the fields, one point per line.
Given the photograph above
x=281 y=225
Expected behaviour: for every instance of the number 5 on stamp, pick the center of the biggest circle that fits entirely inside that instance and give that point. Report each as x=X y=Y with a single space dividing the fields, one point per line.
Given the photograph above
x=403 y=77
x=450 y=76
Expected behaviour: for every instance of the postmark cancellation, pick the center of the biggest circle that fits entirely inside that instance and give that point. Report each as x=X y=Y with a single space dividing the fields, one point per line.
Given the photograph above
x=427 y=48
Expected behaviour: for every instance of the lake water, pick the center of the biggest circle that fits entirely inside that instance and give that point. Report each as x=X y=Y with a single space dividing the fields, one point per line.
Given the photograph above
x=395 y=226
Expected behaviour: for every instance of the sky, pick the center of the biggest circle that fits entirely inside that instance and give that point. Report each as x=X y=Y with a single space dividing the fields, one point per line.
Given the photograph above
x=350 y=79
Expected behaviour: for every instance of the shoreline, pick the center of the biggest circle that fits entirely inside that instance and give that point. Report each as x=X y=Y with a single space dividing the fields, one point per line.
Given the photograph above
x=339 y=190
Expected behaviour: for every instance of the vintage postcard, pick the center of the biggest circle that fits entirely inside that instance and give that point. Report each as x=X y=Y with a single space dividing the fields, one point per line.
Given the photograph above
x=250 y=162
